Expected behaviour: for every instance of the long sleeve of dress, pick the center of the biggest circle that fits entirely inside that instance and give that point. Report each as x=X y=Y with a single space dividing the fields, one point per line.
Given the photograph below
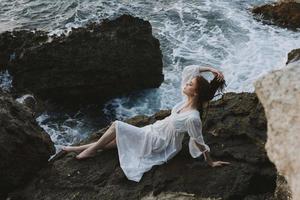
x=194 y=129
x=188 y=73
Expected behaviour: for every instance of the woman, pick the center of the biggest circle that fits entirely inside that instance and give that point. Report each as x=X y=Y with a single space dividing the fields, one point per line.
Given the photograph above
x=140 y=148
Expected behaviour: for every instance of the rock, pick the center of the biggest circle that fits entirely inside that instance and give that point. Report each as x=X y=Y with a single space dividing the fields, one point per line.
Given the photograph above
x=24 y=146
x=279 y=92
x=35 y=105
x=293 y=56
x=286 y=15
x=285 y=1
x=92 y=64
x=235 y=130
x=174 y=196
x=28 y=100
x=15 y=42
x=283 y=191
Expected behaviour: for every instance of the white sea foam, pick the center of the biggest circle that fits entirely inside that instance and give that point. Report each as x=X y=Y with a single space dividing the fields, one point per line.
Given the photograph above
x=22 y=98
x=64 y=132
x=223 y=34
x=5 y=80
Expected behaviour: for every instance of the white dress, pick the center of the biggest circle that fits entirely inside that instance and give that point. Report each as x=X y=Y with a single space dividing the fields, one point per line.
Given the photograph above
x=140 y=148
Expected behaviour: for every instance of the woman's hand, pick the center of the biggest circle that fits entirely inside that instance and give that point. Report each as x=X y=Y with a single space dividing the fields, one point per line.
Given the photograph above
x=207 y=157
x=217 y=73
x=218 y=163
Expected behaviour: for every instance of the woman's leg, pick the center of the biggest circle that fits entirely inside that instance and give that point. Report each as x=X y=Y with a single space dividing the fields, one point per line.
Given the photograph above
x=105 y=139
x=112 y=144
x=77 y=148
x=80 y=148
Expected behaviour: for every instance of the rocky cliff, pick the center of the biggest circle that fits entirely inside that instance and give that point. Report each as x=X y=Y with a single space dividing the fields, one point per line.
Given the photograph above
x=285 y=14
x=279 y=93
x=24 y=146
x=235 y=130
x=89 y=65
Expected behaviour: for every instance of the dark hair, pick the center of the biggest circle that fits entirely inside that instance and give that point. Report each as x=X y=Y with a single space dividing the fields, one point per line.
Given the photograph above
x=206 y=92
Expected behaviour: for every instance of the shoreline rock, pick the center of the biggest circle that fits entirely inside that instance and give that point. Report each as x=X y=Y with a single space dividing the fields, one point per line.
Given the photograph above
x=279 y=92
x=92 y=64
x=24 y=146
x=235 y=130
x=293 y=56
x=285 y=14
x=13 y=43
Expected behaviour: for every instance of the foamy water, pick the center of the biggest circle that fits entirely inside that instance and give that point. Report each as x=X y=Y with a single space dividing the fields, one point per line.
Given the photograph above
x=223 y=34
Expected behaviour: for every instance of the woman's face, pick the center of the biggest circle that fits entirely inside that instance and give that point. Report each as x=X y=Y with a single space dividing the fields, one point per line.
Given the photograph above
x=190 y=87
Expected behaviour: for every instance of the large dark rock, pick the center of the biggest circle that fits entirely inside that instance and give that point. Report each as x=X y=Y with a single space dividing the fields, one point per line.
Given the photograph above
x=24 y=146
x=286 y=15
x=13 y=43
x=235 y=130
x=293 y=56
x=92 y=64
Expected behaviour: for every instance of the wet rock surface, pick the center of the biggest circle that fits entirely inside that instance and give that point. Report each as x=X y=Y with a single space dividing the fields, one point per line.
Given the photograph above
x=293 y=56
x=89 y=65
x=235 y=130
x=13 y=43
x=285 y=15
x=24 y=146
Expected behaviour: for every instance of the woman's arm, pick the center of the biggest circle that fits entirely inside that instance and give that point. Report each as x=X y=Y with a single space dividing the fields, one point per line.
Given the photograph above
x=212 y=70
x=208 y=158
x=204 y=69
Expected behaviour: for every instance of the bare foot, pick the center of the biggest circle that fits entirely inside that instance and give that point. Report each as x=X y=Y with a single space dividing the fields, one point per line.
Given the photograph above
x=70 y=149
x=87 y=153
